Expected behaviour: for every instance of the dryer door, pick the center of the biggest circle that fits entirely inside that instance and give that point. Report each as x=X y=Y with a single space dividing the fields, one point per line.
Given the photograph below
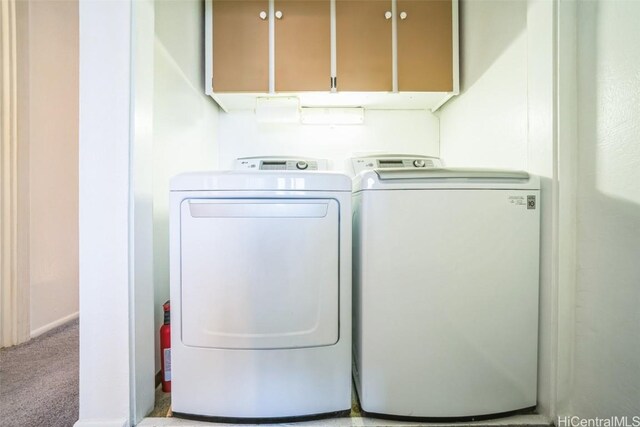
x=259 y=273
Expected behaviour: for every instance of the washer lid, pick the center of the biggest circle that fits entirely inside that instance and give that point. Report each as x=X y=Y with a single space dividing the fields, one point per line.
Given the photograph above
x=260 y=181
x=413 y=179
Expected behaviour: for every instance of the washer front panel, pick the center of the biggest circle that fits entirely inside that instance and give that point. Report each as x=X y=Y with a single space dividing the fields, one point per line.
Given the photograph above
x=446 y=288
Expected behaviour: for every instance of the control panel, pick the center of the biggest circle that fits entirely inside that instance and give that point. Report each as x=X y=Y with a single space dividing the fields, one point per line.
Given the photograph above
x=393 y=161
x=281 y=164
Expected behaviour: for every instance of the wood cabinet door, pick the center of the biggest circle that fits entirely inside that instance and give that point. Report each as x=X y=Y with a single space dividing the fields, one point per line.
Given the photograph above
x=303 y=45
x=425 y=61
x=363 y=45
x=240 y=46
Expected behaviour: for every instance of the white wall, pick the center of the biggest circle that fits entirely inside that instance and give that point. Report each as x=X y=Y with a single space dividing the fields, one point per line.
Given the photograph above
x=414 y=132
x=53 y=161
x=486 y=126
x=512 y=100
x=104 y=194
x=141 y=280
x=184 y=122
x=129 y=123
x=504 y=118
x=542 y=160
x=607 y=368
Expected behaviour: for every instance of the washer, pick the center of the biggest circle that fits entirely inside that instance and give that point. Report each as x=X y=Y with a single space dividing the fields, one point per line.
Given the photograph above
x=261 y=292
x=445 y=289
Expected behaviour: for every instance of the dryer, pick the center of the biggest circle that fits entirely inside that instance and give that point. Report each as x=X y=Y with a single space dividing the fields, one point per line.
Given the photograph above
x=261 y=292
x=445 y=289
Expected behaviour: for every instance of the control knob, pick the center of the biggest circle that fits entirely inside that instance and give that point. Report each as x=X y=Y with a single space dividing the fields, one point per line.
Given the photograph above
x=302 y=165
x=419 y=163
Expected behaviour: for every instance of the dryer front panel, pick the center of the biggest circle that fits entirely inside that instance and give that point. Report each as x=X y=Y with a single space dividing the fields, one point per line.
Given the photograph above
x=259 y=273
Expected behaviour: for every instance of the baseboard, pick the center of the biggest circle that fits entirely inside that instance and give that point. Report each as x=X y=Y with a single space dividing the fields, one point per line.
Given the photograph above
x=46 y=328
x=116 y=422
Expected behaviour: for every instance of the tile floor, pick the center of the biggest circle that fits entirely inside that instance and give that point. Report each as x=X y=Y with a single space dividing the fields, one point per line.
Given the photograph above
x=160 y=417
x=518 y=420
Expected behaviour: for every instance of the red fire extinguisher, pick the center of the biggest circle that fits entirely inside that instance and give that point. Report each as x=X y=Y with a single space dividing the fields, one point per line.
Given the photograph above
x=165 y=348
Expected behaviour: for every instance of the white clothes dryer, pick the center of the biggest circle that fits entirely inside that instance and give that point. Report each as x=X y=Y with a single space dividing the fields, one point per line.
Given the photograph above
x=445 y=289
x=261 y=292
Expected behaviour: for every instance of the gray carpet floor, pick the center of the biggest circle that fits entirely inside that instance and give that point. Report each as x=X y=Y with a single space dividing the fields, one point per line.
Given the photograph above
x=39 y=380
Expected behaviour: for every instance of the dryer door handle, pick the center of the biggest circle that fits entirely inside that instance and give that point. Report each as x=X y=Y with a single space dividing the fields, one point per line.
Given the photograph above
x=255 y=209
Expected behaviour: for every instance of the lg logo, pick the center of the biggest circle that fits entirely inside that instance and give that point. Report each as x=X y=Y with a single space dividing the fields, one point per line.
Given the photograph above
x=531 y=202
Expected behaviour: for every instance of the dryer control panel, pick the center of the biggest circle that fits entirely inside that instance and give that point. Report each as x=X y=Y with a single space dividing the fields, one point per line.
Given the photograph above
x=281 y=164
x=394 y=161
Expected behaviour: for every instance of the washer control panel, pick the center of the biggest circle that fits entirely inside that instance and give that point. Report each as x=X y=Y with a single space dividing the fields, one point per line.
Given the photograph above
x=390 y=161
x=281 y=164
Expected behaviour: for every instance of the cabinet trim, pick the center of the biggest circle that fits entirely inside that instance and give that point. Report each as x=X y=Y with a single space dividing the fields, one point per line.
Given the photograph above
x=394 y=46
x=456 y=52
x=272 y=46
x=374 y=100
x=208 y=47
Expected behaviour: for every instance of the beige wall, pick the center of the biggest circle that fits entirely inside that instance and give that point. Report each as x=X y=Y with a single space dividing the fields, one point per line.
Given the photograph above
x=51 y=37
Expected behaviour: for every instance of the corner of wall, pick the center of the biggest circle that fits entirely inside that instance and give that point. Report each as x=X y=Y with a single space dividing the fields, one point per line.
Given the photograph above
x=486 y=124
x=567 y=152
x=542 y=160
x=185 y=125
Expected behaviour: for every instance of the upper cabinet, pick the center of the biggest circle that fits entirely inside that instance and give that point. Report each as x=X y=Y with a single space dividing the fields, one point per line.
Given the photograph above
x=241 y=43
x=420 y=31
x=425 y=45
x=241 y=46
x=363 y=45
x=365 y=53
x=302 y=45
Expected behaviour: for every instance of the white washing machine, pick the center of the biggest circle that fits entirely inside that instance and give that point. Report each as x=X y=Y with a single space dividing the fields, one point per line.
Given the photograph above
x=261 y=292
x=445 y=289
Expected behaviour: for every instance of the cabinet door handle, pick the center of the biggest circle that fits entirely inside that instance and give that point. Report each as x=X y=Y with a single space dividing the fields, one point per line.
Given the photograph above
x=263 y=15
x=387 y=15
x=403 y=15
x=278 y=14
